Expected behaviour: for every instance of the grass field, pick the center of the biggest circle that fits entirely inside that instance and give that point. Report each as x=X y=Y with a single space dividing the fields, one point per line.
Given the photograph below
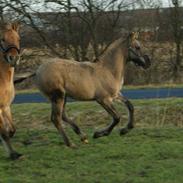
x=151 y=153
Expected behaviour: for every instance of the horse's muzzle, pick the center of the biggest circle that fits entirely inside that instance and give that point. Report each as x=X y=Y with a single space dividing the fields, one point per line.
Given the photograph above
x=143 y=61
x=147 y=63
x=12 y=60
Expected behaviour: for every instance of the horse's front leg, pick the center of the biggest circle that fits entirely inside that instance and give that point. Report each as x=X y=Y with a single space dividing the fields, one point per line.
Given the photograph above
x=7 y=130
x=7 y=144
x=107 y=105
x=130 y=108
x=8 y=118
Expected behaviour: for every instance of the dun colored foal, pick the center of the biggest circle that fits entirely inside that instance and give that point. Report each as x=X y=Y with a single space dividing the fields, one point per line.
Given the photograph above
x=100 y=81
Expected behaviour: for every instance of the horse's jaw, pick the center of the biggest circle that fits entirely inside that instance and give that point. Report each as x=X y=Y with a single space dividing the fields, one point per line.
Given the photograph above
x=143 y=61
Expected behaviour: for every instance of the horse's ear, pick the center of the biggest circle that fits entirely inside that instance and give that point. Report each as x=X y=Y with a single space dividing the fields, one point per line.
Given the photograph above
x=137 y=35
x=15 y=26
x=134 y=35
x=7 y=26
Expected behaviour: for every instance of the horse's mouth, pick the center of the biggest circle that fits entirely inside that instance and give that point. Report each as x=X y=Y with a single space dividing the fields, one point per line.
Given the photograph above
x=143 y=61
x=147 y=62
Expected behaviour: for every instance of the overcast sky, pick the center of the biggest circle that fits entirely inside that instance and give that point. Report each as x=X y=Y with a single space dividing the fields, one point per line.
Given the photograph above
x=166 y=3
x=53 y=6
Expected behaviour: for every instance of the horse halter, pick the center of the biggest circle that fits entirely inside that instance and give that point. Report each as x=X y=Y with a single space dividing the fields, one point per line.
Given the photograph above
x=130 y=49
x=133 y=51
x=145 y=63
x=6 y=50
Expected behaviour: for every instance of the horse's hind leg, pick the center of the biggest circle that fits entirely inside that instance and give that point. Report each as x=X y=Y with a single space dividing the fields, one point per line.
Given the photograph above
x=56 y=117
x=73 y=124
x=74 y=127
x=107 y=105
x=130 y=108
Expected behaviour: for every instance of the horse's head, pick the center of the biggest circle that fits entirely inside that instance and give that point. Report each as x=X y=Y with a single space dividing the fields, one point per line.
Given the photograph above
x=135 y=53
x=10 y=44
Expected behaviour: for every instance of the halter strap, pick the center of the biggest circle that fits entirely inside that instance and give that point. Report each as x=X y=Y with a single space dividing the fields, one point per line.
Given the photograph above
x=8 y=48
x=133 y=51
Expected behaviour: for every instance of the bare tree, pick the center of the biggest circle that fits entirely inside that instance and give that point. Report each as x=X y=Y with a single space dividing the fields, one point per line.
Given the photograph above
x=176 y=23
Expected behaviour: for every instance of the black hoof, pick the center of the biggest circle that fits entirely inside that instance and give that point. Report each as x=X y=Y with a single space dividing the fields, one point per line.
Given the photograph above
x=15 y=156
x=124 y=131
x=100 y=134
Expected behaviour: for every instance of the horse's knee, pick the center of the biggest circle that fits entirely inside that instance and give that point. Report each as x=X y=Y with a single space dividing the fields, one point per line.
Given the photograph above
x=7 y=132
x=12 y=132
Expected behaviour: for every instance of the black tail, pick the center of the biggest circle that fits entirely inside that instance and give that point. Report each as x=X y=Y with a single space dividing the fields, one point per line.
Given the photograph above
x=19 y=80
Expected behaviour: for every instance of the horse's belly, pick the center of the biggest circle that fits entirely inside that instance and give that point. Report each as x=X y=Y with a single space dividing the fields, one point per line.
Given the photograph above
x=79 y=90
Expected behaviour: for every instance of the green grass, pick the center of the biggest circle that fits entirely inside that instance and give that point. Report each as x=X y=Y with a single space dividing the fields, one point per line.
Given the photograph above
x=150 y=153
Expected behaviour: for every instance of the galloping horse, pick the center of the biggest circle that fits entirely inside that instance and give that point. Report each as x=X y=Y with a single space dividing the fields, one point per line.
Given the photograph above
x=9 y=57
x=100 y=81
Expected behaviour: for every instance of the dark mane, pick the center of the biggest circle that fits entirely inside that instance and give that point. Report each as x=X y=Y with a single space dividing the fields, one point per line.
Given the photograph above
x=109 y=50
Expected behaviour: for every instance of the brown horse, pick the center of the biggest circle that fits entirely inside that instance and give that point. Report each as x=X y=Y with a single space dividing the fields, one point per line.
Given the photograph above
x=100 y=81
x=9 y=57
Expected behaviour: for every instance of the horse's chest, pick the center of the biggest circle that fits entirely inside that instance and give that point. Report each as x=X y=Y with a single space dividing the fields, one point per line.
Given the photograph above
x=7 y=94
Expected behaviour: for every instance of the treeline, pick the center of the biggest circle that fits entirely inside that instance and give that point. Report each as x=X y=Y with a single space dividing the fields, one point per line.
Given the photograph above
x=84 y=29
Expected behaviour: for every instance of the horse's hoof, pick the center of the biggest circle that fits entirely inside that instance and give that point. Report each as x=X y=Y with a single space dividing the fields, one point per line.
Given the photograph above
x=96 y=135
x=123 y=131
x=15 y=156
x=100 y=134
x=85 y=141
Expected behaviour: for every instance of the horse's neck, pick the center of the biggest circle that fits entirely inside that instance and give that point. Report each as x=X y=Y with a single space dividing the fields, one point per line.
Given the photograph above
x=114 y=59
x=6 y=72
